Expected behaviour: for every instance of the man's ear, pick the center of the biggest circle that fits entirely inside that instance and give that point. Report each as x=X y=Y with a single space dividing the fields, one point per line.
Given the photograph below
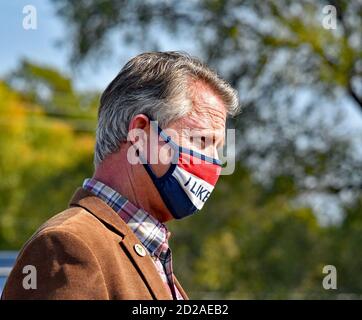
x=138 y=128
x=138 y=135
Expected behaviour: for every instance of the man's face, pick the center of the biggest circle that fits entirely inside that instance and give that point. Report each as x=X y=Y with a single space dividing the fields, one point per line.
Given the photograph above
x=203 y=130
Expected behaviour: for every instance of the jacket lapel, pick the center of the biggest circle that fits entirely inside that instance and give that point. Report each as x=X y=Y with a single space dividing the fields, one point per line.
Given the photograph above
x=147 y=270
x=180 y=289
x=144 y=265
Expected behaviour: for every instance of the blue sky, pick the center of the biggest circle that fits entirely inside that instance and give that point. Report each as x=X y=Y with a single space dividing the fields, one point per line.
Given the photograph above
x=37 y=45
x=40 y=45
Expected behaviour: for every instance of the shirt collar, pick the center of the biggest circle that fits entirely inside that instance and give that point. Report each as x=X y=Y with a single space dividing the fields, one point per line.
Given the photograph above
x=152 y=233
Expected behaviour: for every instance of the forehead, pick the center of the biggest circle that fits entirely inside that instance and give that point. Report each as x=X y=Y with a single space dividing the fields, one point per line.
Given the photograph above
x=208 y=109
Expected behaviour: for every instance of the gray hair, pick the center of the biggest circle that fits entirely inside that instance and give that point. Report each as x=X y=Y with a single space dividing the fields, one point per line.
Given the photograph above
x=154 y=84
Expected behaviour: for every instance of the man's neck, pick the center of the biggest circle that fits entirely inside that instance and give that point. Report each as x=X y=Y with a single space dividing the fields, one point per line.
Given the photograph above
x=133 y=183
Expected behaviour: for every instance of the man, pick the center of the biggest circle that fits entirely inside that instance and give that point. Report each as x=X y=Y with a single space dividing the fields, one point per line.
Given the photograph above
x=112 y=243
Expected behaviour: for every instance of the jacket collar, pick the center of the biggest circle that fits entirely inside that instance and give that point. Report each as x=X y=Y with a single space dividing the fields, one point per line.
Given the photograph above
x=90 y=202
x=145 y=266
x=151 y=232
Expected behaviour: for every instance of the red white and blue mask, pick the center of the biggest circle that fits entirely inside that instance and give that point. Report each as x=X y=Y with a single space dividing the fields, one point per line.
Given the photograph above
x=188 y=182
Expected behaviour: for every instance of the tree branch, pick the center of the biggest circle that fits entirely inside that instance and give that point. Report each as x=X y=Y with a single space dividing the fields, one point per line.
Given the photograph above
x=355 y=97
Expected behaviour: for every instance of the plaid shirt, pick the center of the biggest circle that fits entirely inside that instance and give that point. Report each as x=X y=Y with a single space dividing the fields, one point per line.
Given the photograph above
x=151 y=233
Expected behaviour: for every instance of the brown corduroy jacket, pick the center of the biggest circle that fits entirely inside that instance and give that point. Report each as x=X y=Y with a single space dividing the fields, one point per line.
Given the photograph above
x=86 y=252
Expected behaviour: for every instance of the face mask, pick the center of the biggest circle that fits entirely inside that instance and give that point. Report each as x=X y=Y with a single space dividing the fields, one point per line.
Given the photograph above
x=188 y=182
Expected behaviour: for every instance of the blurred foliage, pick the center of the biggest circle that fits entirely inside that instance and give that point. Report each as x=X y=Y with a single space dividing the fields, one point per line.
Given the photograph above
x=246 y=245
x=254 y=239
x=295 y=78
x=261 y=47
x=54 y=92
x=43 y=158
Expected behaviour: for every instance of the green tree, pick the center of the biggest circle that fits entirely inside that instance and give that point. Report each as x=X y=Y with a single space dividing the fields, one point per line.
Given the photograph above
x=252 y=240
x=265 y=46
x=54 y=92
x=248 y=245
x=284 y=63
x=43 y=158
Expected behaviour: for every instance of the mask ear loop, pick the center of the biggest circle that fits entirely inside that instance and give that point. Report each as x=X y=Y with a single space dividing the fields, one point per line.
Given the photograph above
x=154 y=125
x=167 y=139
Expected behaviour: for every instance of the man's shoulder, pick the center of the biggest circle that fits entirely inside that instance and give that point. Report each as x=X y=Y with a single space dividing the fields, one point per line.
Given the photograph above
x=71 y=219
x=75 y=221
x=62 y=254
